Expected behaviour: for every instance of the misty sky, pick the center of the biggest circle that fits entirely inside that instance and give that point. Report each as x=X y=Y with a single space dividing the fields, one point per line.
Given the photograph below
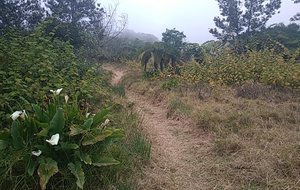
x=193 y=17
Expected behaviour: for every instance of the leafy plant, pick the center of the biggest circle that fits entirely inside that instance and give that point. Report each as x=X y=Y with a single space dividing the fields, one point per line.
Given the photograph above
x=57 y=140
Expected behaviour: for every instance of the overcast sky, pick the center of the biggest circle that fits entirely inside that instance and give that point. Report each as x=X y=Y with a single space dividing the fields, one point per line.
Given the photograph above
x=193 y=17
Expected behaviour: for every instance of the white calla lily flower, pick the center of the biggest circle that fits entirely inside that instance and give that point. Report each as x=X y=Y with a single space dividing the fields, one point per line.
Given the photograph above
x=16 y=115
x=105 y=123
x=66 y=98
x=53 y=140
x=56 y=92
x=36 y=153
x=23 y=115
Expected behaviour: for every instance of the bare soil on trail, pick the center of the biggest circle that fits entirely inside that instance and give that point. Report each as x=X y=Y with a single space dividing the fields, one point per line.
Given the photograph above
x=180 y=152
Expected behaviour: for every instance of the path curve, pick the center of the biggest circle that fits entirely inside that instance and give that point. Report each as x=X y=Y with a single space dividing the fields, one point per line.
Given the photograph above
x=179 y=150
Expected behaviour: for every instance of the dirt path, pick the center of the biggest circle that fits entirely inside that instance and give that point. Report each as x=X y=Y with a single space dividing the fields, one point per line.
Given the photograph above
x=179 y=152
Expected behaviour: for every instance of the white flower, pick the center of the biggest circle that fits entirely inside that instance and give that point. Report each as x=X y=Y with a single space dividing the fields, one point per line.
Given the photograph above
x=54 y=139
x=36 y=153
x=87 y=115
x=24 y=115
x=56 y=92
x=105 y=123
x=66 y=98
x=16 y=114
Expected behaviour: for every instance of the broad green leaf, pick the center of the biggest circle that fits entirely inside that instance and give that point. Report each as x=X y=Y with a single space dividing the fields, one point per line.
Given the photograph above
x=117 y=134
x=41 y=115
x=104 y=161
x=16 y=131
x=77 y=171
x=85 y=158
x=100 y=117
x=68 y=146
x=43 y=125
x=31 y=167
x=95 y=136
x=43 y=133
x=76 y=130
x=87 y=124
x=3 y=144
x=47 y=169
x=58 y=121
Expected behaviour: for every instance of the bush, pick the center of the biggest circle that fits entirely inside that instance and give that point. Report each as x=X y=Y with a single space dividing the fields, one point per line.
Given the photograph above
x=55 y=141
x=264 y=67
x=32 y=65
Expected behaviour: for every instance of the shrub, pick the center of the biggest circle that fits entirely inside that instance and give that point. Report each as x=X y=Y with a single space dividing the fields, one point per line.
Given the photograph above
x=55 y=141
x=32 y=65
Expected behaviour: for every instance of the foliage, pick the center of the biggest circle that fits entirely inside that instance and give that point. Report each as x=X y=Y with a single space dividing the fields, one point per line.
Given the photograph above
x=74 y=139
x=71 y=19
x=231 y=25
x=173 y=40
x=21 y=15
x=296 y=17
x=265 y=67
x=32 y=65
x=249 y=16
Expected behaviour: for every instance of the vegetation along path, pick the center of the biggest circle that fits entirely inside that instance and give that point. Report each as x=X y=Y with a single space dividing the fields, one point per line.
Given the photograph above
x=177 y=146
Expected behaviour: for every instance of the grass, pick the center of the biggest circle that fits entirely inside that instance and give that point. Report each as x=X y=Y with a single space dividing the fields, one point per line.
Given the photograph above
x=255 y=129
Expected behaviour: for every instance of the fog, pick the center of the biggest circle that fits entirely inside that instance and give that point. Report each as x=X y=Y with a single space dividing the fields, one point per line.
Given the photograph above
x=193 y=17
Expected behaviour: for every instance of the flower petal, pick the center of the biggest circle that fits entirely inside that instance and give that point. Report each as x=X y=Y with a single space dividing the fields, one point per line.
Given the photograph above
x=36 y=153
x=66 y=98
x=57 y=92
x=16 y=114
x=53 y=140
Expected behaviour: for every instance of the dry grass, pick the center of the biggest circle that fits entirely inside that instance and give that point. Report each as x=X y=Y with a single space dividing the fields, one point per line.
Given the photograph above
x=256 y=131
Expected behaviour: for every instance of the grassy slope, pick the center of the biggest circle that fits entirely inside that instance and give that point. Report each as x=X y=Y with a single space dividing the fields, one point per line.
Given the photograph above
x=255 y=129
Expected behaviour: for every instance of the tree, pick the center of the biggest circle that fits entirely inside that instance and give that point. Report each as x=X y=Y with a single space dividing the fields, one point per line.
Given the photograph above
x=72 y=18
x=231 y=21
x=20 y=15
x=173 y=40
x=234 y=21
x=297 y=16
x=258 y=12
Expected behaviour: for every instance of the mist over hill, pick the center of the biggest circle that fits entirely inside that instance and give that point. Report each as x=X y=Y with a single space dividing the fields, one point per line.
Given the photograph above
x=132 y=35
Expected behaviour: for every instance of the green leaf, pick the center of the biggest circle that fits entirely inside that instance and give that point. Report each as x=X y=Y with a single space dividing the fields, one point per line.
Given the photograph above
x=3 y=144
x=85 y=158
x=77 y=171
x=68 y=146
x=100 y=117
x=43 y=133
x=41 y=115
x=87 y=124
x=31 y=167
x=95 y=136
x=47 y=169
x=16 y=131
x=104 y=161
x=57 y=123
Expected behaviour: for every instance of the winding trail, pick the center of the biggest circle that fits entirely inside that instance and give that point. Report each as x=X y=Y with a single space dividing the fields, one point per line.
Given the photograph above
x=180 y=151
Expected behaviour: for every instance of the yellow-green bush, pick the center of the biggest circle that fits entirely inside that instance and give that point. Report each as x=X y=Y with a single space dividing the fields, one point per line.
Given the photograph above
x=230 y=69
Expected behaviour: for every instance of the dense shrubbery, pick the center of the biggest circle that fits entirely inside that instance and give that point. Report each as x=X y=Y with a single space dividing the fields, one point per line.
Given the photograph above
x=57 y=141
x=32 y=65
x=264 y=66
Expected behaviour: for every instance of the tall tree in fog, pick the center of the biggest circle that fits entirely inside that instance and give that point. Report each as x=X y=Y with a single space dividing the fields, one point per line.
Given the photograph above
x=243 y=16
x=72 y=18
x=258 y=12
x=21 y=15
x=230 y=22
x=297 y=16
